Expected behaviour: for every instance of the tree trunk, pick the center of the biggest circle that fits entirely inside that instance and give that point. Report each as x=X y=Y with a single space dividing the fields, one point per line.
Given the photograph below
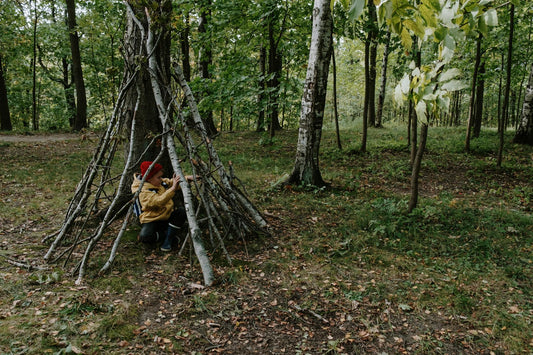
x=260 y=127
x=185 y=49
x=412 y=113
x=366 y=98
x=306 y=168
x=383 y=84
x=336 y=111
x=524 y=133
x=5 y=116
x=274 y=72
x=205 y=58
x=413 y=201
x=372 y=37
x=472 y=106
x=81 y=98
x=139 y=99
x=35 y=118
x=478 y=112
x=505 y=110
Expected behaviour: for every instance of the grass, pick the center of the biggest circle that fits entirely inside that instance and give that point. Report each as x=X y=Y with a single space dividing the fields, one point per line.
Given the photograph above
x=453 y=276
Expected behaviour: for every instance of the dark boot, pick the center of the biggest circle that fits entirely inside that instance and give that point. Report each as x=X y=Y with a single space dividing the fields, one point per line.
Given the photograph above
x=172 y=232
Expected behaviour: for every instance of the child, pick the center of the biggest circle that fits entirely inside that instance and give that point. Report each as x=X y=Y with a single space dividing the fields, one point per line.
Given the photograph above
x=160 y=222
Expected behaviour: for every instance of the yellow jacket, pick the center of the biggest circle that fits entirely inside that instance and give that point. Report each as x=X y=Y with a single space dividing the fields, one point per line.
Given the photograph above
x=156 y=202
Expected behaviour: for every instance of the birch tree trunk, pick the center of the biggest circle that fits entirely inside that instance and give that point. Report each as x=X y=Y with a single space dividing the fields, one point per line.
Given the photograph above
x=524 y=133
x=306 y=167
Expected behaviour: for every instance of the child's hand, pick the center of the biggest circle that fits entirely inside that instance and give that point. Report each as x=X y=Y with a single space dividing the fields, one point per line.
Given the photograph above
x=175 y=181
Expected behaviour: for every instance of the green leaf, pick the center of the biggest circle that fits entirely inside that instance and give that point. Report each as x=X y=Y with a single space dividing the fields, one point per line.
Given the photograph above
x=429 y=16
x=454 y=85
x=398 y=95
x=448 y=14
x=415 y=26
x=356 y=9
x=449 y=75
x=491 y=17
x=421 y=111
x=406 y=39
x=405 y=84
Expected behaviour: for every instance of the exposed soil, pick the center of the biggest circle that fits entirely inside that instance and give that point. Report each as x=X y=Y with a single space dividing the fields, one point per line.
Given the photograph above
x=39 y=138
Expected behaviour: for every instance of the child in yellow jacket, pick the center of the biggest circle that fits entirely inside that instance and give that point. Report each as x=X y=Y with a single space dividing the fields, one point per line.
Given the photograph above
x=160 y=221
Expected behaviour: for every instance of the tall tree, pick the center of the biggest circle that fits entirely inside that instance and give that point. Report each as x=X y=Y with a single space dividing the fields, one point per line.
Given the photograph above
x=64 y=77
x=35 y=114
x=480 y=93
x=5 y=117
x=472 y=106
x=524 y=133
x=139 y=102
x=383 y=80
x=205 y=60
x=306 y=167
x=505 y=109
x=77 y=72
x=275 y=32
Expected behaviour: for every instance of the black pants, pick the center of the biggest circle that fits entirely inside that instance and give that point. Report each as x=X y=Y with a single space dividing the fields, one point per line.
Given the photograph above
x=156 y=231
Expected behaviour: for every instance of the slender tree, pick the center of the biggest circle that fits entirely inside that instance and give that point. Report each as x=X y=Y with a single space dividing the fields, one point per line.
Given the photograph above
x=35 y=117
x=524 y=133
x=260 y=126
x=306 y=167
x=480 y=93
x=5 y=117
x=335 y=109
x=205 y=60
x=472 y=106
x=77 y=72
x=505 y=109
x=383 y=81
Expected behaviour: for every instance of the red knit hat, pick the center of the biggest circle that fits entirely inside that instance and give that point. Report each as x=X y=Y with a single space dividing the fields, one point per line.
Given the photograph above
x=144 y=167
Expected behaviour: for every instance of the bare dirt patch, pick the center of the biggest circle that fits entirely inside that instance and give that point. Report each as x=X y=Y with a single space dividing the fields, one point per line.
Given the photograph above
x=38 y=138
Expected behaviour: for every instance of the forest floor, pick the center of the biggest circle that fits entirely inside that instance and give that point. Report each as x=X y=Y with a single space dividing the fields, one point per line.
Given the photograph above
x=338 y=275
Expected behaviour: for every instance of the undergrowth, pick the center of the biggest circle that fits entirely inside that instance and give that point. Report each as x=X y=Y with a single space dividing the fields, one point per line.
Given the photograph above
x=453 y=276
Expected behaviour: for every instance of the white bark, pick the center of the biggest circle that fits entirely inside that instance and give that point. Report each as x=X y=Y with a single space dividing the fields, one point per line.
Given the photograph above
x=194 y=229
x=524 y=133
x=306 y=167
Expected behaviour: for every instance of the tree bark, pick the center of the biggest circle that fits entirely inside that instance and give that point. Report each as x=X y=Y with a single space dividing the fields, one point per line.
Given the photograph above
x=366 y=98
x=413 y=201
x=335 y=110
x=260 y=126
x=205 y=59
x=185 y=49
x=35 y=118
x=478 y=112
x=383 y=84
x=505 y=109
x=5 y=116
x=472 y=106
x=372 y=38
x=413 y=120
x=524 y=133
x=306 y=168
x=77 y=72
x=148 y=124
x=274 y=73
